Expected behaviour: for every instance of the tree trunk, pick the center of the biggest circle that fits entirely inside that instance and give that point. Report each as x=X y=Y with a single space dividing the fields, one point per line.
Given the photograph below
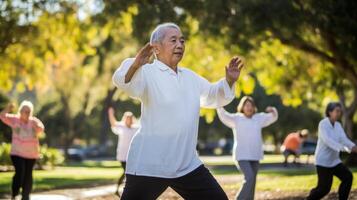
x=348 y=111
x=105 y=126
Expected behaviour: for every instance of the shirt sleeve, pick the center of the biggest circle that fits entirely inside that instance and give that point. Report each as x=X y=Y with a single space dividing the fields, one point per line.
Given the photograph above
x=9 y=119
x=116 y=129
x=267 y=119
x=214 y=95
x=344 y=139
x=39 y=125
x=324 y=135
x=227 y=118
x=134 y=88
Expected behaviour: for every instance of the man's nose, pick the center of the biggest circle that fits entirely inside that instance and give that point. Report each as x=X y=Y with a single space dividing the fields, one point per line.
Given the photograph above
x=179 y=45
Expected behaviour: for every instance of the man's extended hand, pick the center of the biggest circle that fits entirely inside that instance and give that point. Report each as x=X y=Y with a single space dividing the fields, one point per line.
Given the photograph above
x=233 y=70
x=143 y=56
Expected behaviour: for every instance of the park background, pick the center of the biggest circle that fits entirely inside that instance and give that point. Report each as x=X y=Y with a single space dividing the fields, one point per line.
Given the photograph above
x=61 y=55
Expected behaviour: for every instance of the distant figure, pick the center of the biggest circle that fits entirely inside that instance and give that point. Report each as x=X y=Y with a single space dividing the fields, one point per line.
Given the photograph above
x=332 y=140
x=247 y=127
x=24 y=146
x=125 y=129
x=292 y=145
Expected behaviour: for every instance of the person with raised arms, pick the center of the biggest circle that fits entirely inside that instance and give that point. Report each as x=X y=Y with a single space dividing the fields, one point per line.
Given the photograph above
x=163 y=151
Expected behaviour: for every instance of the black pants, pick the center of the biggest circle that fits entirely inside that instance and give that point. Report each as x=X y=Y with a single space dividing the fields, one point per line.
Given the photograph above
x=122 y=176
x=325 y=178
x=198 y=184
x=23 y=176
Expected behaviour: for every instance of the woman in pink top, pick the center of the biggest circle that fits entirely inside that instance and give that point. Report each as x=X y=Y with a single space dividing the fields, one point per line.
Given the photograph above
x=24 y=146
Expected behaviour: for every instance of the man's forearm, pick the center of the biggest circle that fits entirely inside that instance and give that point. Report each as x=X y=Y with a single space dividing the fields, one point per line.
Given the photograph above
x=130 y=73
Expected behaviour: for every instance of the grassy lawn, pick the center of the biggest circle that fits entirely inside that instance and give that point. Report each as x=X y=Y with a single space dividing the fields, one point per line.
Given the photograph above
x=288 y=180
x=92 y=173
x=228 y=160
x=72 y=175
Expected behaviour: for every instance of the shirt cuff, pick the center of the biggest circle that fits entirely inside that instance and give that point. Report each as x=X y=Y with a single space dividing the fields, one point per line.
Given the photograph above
x=346 y=149
x=119 y=75
x=229 y=92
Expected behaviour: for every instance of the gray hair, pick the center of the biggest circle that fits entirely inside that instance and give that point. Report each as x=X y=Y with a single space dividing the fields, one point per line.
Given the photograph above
x=158 y=33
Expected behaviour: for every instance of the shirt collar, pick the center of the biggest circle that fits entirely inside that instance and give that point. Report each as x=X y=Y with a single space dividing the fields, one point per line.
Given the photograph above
x=162 y=66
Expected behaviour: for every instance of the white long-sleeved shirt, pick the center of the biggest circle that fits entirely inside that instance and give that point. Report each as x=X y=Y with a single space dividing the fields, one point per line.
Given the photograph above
x=332 y=140
x=125 y=136
x=247 y=132
x=165 y=144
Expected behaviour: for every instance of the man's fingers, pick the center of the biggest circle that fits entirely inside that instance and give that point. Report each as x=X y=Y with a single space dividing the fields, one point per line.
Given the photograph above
x=240 y=66
x=146 y=49
x=233 y=60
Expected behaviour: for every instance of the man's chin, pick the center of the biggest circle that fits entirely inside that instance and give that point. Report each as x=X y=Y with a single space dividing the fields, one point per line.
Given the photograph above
x=178 y=57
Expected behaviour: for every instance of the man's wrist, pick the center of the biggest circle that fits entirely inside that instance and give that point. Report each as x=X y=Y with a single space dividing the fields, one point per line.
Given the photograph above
x=230 y=82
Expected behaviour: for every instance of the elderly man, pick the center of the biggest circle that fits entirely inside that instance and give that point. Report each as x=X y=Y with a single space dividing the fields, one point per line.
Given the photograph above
x=163 y=151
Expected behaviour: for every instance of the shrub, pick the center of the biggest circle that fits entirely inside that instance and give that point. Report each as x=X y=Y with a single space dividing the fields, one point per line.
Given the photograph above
x=49 y=157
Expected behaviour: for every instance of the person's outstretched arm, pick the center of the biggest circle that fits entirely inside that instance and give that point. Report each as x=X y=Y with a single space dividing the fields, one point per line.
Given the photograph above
x=38 y=125
x=214 y=95
x=111 y=117
x=351 y=146
x=227 y=118
x=270 y=116
x=5 y=116
x=129 y=76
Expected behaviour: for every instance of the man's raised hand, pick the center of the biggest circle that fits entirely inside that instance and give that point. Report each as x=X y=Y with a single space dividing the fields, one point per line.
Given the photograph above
x=233 y=70
x=143 y=56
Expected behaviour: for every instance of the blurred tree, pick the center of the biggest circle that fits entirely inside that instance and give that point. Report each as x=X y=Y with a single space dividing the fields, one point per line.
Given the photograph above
x=327 y=30
x=5 y=131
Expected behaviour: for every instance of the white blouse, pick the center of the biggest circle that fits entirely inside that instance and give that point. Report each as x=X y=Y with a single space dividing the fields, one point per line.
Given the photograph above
x=247 y=132
x=165 y=145
x=125 y=136
x=332 y=140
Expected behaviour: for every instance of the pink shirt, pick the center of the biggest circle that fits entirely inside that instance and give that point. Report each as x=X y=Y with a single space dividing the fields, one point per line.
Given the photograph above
x=24 y=136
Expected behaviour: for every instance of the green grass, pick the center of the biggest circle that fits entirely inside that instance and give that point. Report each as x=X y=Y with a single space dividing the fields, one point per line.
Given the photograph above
x=72 y=175
x=283 y=180
x=93 y=173
x=270 y=158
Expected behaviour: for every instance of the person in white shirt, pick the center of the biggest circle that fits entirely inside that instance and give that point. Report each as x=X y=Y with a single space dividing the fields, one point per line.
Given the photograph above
x=332 y=140
x=163 y=152
x=247 y=127
x=125 y=129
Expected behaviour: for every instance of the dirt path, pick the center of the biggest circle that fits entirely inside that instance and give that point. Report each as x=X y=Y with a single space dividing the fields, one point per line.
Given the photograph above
x=266 y=195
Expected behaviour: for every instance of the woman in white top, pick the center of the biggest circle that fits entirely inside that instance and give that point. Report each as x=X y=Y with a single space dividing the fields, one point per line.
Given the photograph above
x=125 y=129
x=332 y=140
x=248 y=145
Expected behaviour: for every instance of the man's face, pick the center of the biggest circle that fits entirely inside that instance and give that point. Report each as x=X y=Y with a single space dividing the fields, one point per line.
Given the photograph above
x=172 y=47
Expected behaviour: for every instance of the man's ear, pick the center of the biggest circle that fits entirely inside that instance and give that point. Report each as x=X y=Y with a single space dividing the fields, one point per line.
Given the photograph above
x=156 y=49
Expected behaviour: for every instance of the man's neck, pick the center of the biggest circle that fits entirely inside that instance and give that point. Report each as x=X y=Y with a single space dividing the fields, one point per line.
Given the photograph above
x=170 y=65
